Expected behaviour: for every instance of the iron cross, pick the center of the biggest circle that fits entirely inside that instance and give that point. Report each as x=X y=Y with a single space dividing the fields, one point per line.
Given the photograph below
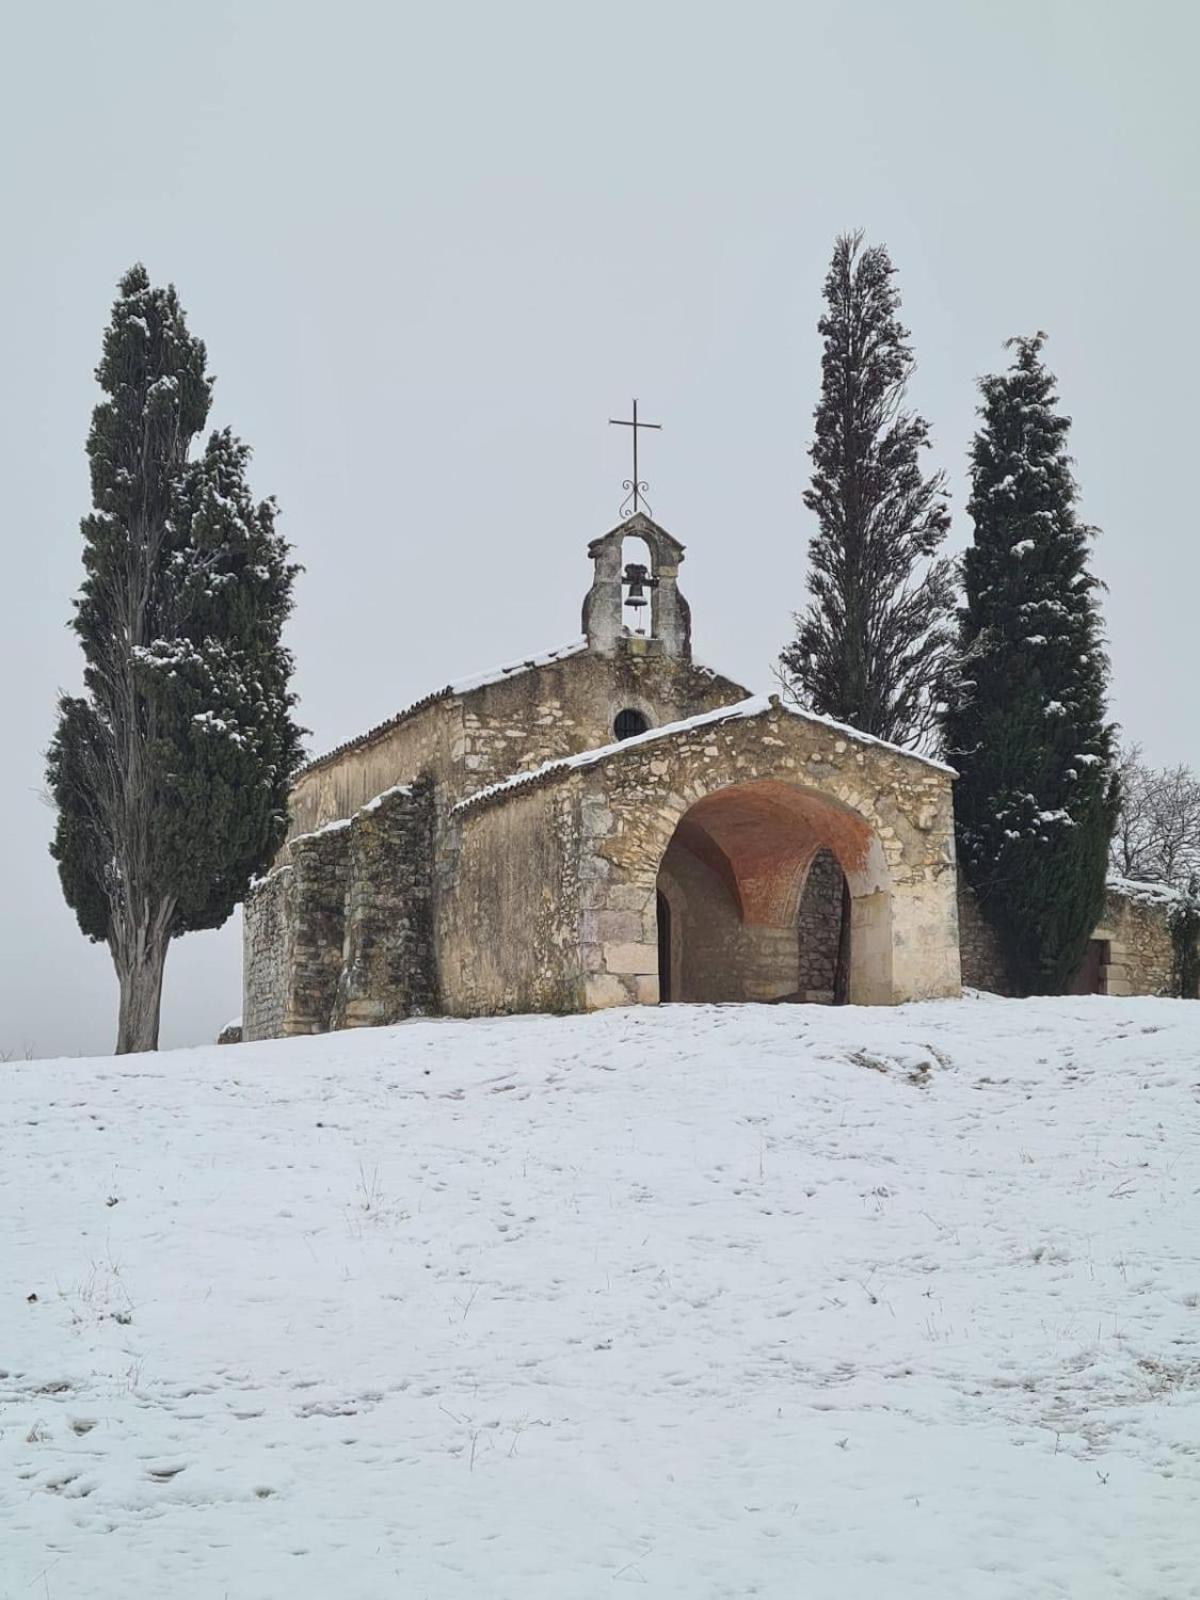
x=634 y=487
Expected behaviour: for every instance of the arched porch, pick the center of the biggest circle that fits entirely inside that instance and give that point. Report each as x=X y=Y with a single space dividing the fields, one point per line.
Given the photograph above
x=553 y=902
x=730 y=887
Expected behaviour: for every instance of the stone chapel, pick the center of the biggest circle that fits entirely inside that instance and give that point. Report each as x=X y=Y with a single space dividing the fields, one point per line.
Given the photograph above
x=610 y=823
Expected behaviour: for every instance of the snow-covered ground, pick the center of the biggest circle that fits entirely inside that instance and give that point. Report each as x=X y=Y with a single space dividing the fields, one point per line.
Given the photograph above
x=733 y=1301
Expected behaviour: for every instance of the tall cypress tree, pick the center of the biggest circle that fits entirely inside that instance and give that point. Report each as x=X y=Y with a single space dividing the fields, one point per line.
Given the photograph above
x=1035 y=802
x=875 y=644
x=170 y=774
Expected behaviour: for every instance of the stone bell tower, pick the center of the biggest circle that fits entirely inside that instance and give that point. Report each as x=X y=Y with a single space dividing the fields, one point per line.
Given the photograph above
x=619 y=588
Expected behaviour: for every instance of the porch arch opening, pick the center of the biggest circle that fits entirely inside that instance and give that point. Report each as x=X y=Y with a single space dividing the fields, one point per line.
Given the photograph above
x=769 y=891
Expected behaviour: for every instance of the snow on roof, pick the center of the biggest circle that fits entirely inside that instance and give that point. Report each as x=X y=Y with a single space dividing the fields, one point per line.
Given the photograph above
x=336 y=826
x=754 y=706
x=385 y=794
x=867 y=738
x=267 y=877
x=498 y=674
x=1141 y=889
x=711 y=672
x=344 y=822
x=451 y=690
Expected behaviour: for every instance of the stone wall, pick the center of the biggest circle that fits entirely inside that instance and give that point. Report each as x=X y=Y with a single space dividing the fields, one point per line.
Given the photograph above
x=716 y=956
x=1135 y=928
x=508 y=908
x=320 y=863
x=388 y=967
x=818 y=927
x=789 y=784
x=1136 y=925
x=425 y=742
x=983 y=965
x=342 y=935
x=467 y=740
x=292 y=939
x=792 y=781
x=353 y=937
x=267 y=924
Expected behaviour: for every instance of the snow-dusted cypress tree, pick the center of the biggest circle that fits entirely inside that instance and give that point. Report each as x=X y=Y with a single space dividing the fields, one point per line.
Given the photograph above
x=1035 y=802
x=875 y=644
x=170 y=773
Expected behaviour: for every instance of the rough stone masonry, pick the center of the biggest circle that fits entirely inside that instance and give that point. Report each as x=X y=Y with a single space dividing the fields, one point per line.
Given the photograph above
x=612 y=823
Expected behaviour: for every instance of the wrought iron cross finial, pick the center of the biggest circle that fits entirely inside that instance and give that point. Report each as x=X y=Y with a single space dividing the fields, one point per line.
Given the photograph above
x=635 y=488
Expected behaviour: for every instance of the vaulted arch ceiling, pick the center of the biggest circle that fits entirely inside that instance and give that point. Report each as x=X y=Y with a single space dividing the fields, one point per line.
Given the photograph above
x=760 y=838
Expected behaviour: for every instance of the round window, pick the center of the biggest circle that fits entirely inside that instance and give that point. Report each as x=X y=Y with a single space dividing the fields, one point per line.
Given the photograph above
x=629 y=723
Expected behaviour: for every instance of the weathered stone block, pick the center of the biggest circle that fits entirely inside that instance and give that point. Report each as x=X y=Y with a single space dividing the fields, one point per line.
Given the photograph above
x=631 y=958
x=609 y=927
x=628 y=897
x=597 y=821
x=603 y=990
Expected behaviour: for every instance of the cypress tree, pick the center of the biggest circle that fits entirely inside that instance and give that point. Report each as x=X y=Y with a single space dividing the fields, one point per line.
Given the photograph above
x=1036 y=800
x=875 y=644
x=170 y=773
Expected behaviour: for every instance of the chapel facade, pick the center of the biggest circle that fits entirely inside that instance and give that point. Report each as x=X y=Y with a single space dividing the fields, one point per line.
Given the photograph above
x=610 y=823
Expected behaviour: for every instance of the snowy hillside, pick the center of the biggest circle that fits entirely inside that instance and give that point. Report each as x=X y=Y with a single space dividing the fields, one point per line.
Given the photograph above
x=707 y=1302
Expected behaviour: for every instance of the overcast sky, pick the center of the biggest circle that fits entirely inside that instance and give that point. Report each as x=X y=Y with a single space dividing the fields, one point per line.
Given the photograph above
x=431 y=248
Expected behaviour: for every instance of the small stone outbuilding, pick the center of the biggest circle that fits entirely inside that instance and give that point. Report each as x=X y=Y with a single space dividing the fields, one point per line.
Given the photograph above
x=609 y=823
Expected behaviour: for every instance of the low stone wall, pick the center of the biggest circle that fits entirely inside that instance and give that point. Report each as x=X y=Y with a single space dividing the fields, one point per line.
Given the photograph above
x=267 y=924
x=319 y=874
x=388 y=970
x=342 y=935
x=1141 y=952
x=1135 y=927
x=983 y=964
x=292 y=940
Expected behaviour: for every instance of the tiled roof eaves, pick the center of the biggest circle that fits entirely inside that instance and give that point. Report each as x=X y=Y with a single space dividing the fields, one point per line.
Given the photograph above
x=377 y=732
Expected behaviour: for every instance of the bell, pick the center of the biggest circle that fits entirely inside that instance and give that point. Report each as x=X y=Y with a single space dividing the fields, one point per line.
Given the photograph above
x=635 y=578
